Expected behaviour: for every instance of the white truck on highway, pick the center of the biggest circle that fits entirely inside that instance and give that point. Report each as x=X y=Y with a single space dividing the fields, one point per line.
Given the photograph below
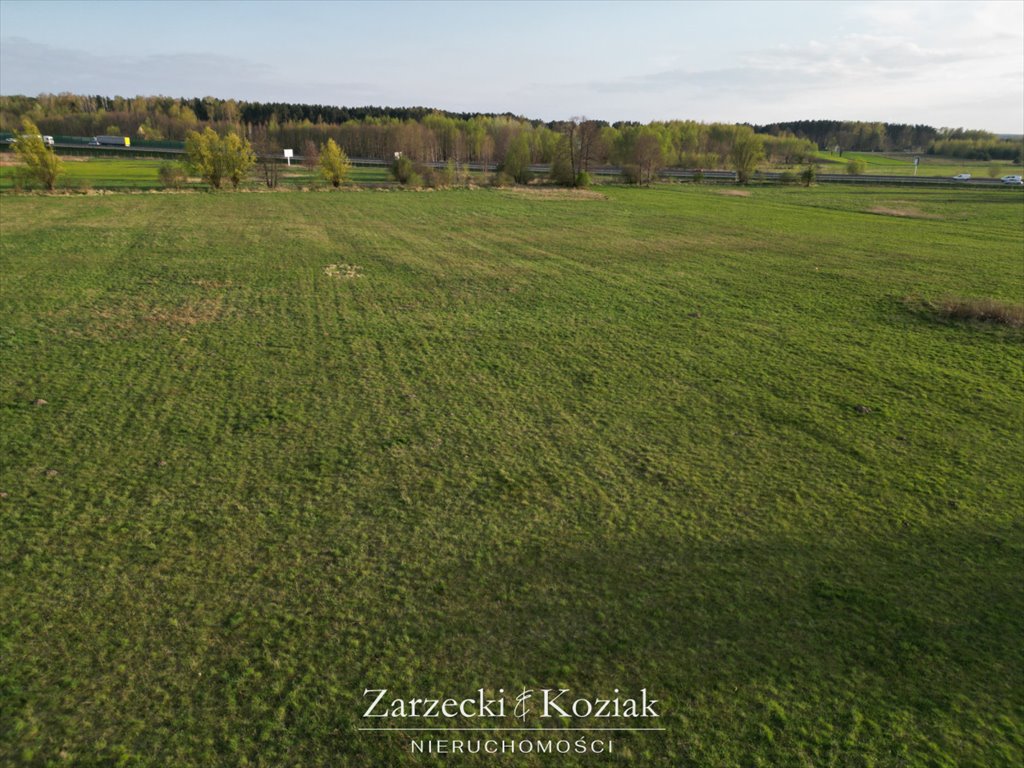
x=47 y=140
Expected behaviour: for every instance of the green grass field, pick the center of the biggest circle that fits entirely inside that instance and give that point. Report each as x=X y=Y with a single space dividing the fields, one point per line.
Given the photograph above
x=123 y=175
x=98 y=173
x=902 y=164
x=674 y=439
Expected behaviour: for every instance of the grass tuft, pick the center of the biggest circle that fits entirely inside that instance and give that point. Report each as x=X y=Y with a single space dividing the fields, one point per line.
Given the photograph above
x=984 y=310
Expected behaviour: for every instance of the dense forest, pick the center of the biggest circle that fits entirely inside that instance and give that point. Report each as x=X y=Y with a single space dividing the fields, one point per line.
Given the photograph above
x=435 y=135
x=900 y=137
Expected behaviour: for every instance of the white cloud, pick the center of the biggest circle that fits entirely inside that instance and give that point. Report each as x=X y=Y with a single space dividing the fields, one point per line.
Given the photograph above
x=29 y=67
x=924 y=62
x=971 y=74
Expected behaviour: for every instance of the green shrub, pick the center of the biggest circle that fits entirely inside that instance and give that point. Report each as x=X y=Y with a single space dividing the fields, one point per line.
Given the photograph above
x=215 y=158
x=38 y=161
x=402 y=169
x=631 y=173
x=583 y=179
x=561 y=165
x=517 y=159
x=428 y=174
x=172 y=175
x=334 y=164
x=446 y=176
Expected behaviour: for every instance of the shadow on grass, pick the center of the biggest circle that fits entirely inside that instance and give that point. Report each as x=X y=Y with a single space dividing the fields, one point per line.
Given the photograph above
x=773 y=651
x=858 y=649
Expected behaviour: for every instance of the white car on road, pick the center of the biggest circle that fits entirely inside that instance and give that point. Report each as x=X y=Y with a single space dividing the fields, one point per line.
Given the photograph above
x=962 y=177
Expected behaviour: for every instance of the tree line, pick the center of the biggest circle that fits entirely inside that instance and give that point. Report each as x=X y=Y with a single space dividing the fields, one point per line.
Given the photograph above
x=572 y=148
x=378 y=131
x=435 y=136
x=422 y=135
x=840 y=136
x=214 y=158
x=211 y=109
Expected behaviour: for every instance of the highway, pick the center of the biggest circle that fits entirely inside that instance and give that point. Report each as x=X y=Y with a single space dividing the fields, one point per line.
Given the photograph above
x=606 y=170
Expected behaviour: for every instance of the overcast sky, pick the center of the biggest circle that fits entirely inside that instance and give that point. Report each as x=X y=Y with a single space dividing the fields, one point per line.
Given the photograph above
x=939 y=63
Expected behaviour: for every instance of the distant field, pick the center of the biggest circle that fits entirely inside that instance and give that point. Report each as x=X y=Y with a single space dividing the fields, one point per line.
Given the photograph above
x=121 y=174
x=713 y=445
x=97 y=173
x=902 y=164
x=124 y=174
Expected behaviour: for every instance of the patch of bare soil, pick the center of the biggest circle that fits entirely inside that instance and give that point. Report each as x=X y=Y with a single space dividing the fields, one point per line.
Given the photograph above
x=735 y=193
x=548 y=193
x=212 y=284
x=194 y=311
x=10 y=158
x=902 y=212
x=343 y=271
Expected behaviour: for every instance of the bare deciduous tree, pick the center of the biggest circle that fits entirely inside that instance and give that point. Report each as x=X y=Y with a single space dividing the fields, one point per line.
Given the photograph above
x=310 y=156
x=648 y=156
x=583 y=143
x=269 y=153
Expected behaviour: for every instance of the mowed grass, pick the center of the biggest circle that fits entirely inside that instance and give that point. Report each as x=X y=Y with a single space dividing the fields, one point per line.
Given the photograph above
x=665 y=439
